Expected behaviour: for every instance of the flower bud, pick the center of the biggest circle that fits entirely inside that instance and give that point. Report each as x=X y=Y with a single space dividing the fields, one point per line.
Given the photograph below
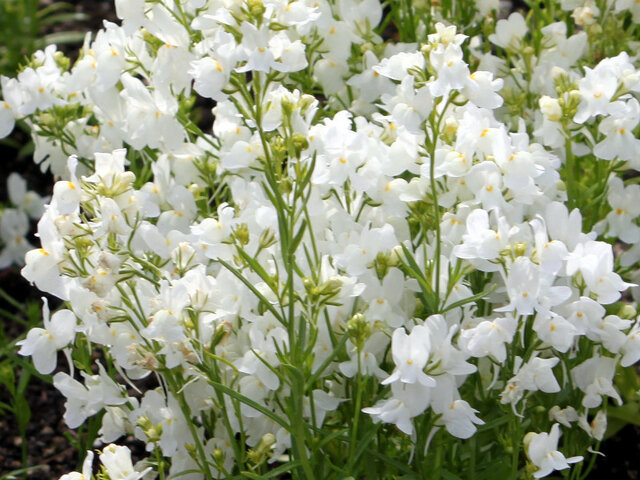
x=241 y=234
x=305 y=102
x=256 y=8
x=332 y=286
x=218 y=456
x=359 y=330
x=550 y=108
x=520 y=249
x=267 y=238
x=221 y=333
x=450 y=129
x=278 y=147
x=300 y=143
x=381 y=264
x=627 y=312
x=287 y=107
x=62 y=61
x=151 y=431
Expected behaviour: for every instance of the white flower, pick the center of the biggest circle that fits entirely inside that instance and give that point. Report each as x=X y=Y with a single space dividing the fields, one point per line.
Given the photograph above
x=481 y=88
x=452 y=71
x=543 y=453
x=117 y=462
x=456 y=415
x=631 y=348
x=509 y=32
x=595 y=378
x=28 y=201
x=86 y=400
x=530 y=289
x=618 y=130
x=594 y=260
x=481 y=244
x=596 y=427
x=489 y=337
x=87 y=468
x=397 y=66
x=211 y=73
x=14 y=226
x=596 y=89
x=625 y=209
x=410 y=354
x=555 y=330
x=563 y=415
x=43 y=343
x=535 y=375
x=408 y=400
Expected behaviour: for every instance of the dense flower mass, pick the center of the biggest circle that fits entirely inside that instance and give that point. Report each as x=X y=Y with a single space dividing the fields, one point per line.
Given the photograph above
x=378 y=246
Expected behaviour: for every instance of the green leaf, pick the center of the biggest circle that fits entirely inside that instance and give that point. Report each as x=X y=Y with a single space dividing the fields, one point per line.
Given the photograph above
x=257 y=268
x=336 y=349
x=472 y=299
x=247 y=401
x=54 y=8
x=447 y=475
x=287 y=467
x=69 y=17
x=629 y=413
x=15 y=474
x=253 y=289
x=61 y=38
x=410 y=264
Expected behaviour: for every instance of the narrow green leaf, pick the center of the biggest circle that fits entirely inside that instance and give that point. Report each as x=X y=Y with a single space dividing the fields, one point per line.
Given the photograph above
x=253 y=289
x=247 y=401
x=472 y=299
x=629 y=413
x=287 y=467
x=68 y=17
x=61 y=38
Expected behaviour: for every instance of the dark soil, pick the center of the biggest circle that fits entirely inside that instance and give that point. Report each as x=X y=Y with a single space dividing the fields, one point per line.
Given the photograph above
x=50 y=447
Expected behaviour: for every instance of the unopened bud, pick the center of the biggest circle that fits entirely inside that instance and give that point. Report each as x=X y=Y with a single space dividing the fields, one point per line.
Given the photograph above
x=63 y=62
x=332 y=286
x=218 y=456
x=381 y=264
x=627 y=312
x=527 y=441
x=268 y=439
x=550 y=108
x=558 y=73
x=425 y=49
x=520 y=249
x=287 y=107
x=300 y=143
x=359 y=330
x=308 y=284
x=222 y=331
x=450 y=128
x=305 y=102
x=267 y=238
x=278 y=147
x=256 y=8
x=241 y=234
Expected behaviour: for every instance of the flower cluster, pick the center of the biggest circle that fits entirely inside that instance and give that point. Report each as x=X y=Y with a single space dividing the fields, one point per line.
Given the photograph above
x=25 y=206
x=372 y=233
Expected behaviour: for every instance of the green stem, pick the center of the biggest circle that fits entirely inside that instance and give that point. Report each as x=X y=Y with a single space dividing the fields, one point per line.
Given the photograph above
x=298 y=436
x=571 y=174
x=186 y=411
x=515 y=446
x=159 y=459
x=356 y=417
